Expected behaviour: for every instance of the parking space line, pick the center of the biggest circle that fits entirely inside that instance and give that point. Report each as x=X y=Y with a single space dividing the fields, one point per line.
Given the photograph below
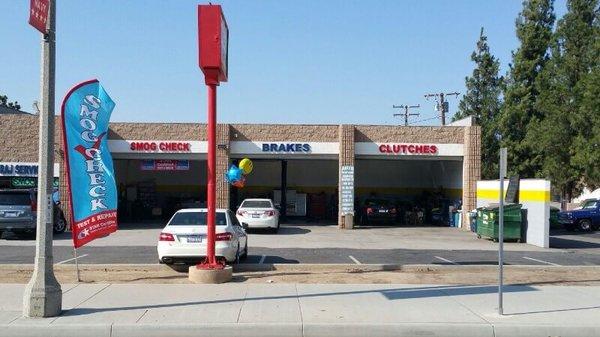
x=540 y=261
x=445 y=260
x=262 y=259
x=71 y=259
x=354 y=259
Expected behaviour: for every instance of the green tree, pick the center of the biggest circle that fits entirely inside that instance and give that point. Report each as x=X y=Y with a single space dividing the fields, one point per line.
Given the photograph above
x=560 y=137
x=534 y=31
x=587 y=121
x=6 y=103
x=482 y=101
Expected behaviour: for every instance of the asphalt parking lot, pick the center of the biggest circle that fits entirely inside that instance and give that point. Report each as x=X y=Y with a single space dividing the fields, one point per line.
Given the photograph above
x=317 y=243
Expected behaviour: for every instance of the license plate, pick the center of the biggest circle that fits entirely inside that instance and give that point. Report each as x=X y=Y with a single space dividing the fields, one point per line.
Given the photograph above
x=10 y=214
x=383 y=211
x=255 y=215
x=194 y=239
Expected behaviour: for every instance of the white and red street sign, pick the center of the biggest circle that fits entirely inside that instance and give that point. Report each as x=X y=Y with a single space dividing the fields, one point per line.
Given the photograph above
x=38 y=14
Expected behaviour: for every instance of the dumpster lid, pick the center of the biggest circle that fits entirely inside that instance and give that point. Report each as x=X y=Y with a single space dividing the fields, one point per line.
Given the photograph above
x=497 y=206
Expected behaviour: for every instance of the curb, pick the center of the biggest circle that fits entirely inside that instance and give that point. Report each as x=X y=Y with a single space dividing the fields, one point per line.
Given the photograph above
x=342 y=268
x=298 y=330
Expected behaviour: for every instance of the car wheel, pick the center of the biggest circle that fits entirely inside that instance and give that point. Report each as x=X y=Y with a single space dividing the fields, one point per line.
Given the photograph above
x=60 y=224
x=585 y=225
x=237 y=255
x=245 y=254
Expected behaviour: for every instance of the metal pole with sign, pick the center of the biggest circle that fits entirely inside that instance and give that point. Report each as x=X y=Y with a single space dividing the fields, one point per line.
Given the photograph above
x=43 y=294
x=503 y=154
x=212 y=42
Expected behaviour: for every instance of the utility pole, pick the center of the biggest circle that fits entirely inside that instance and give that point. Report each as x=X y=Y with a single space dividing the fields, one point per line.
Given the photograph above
x=43 y=294
x=406 y=114
x=442 y=104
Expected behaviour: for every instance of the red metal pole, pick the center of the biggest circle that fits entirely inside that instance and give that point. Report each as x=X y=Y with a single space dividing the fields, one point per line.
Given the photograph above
x=211 y=186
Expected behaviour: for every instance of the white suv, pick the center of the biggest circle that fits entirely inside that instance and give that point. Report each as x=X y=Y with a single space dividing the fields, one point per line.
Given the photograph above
x=259 y=213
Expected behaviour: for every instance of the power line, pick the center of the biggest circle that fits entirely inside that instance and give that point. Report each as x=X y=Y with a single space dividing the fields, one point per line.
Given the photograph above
x=406 y=113
x=441 y=104
x=424 y=120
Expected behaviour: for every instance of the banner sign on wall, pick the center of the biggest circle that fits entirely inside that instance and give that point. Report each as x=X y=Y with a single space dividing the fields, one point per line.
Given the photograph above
x=85 y=114
x=164 y=165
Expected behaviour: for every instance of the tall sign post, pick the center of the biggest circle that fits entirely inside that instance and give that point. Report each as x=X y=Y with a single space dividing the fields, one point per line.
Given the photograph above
x=503 y=155
x=212 y=42
x=43 y=294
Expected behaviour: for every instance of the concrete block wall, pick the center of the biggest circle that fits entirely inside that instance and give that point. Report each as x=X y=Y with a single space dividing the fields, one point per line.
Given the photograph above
x=471 y=170
x=223 y=132
x=346 y=134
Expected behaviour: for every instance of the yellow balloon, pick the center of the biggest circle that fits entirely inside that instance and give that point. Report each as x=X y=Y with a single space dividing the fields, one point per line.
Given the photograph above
x=246 y=165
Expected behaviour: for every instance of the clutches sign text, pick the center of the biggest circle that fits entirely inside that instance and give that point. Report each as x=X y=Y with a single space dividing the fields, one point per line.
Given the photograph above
x=408 y=149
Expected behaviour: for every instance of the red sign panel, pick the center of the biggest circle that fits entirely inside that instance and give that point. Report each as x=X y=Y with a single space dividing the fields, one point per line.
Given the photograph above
x=415 y=149
x=38 y=14
x=213 y=37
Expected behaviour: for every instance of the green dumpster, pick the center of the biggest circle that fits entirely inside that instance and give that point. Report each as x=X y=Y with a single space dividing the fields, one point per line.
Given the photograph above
x=488 y=222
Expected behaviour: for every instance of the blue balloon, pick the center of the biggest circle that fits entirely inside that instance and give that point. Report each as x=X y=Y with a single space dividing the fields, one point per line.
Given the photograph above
x=233 y=174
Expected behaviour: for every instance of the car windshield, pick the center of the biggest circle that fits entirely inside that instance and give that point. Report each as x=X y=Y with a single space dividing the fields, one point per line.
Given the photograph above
x=256 y=204
x=377 y=202
x=14 y=198
x=590 y=204
x=196 y=219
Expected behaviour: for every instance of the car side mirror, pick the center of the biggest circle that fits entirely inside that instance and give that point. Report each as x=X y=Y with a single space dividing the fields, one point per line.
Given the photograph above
x=244 y=225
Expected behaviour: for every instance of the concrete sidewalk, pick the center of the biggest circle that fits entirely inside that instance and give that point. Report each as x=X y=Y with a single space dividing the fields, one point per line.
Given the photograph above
x=307 y=310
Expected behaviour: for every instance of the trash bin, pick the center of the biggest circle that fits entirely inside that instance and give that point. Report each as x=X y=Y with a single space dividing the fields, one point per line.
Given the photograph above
x=473 y=221
x=488 y=225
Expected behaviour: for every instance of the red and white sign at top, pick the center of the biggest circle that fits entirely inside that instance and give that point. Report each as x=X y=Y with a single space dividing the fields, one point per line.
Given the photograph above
x=38 y=14
x=213 y=37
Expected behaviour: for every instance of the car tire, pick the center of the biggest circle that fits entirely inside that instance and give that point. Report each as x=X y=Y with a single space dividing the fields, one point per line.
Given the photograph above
x=585 y=225
x=60 y=224
x=236 y=258
x=245 y=254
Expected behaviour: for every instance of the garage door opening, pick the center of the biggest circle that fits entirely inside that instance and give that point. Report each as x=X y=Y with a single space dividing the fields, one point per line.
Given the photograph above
x=310 y=187
x=151 y=190
x=407 y=192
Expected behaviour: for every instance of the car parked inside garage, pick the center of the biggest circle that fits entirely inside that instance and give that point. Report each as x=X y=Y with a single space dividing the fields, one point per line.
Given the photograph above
x=259 y=213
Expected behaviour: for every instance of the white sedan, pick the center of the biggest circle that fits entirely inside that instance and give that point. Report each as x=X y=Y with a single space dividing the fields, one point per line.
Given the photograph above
x=259 y=213
x=184 y=237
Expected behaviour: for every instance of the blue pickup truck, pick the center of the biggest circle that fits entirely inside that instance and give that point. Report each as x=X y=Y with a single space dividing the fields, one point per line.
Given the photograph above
x=586 y=218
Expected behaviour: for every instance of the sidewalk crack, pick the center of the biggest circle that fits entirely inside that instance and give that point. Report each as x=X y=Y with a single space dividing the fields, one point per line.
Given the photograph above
x=143 y=314
x=299 y=308
x=242 y=306
x=80 y=303
x=466 y=307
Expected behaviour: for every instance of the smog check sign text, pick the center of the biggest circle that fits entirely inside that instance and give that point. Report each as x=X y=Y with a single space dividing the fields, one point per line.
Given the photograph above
x=92 y=190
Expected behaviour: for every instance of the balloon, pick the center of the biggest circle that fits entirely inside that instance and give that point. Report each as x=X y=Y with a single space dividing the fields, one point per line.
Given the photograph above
x=233 y=174
x=240 y=183
x=246 y=165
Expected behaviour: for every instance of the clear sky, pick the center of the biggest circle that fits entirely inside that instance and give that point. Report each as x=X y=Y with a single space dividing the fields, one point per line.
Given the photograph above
x=307 y=61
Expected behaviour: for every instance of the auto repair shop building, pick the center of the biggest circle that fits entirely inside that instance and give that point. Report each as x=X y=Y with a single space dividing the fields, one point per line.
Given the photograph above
x=325 y=170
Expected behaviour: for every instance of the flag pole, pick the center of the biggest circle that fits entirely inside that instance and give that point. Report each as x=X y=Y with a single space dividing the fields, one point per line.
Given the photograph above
x=76 y=264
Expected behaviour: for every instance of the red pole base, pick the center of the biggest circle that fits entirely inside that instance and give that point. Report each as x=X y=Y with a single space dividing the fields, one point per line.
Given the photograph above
x=206 y=265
